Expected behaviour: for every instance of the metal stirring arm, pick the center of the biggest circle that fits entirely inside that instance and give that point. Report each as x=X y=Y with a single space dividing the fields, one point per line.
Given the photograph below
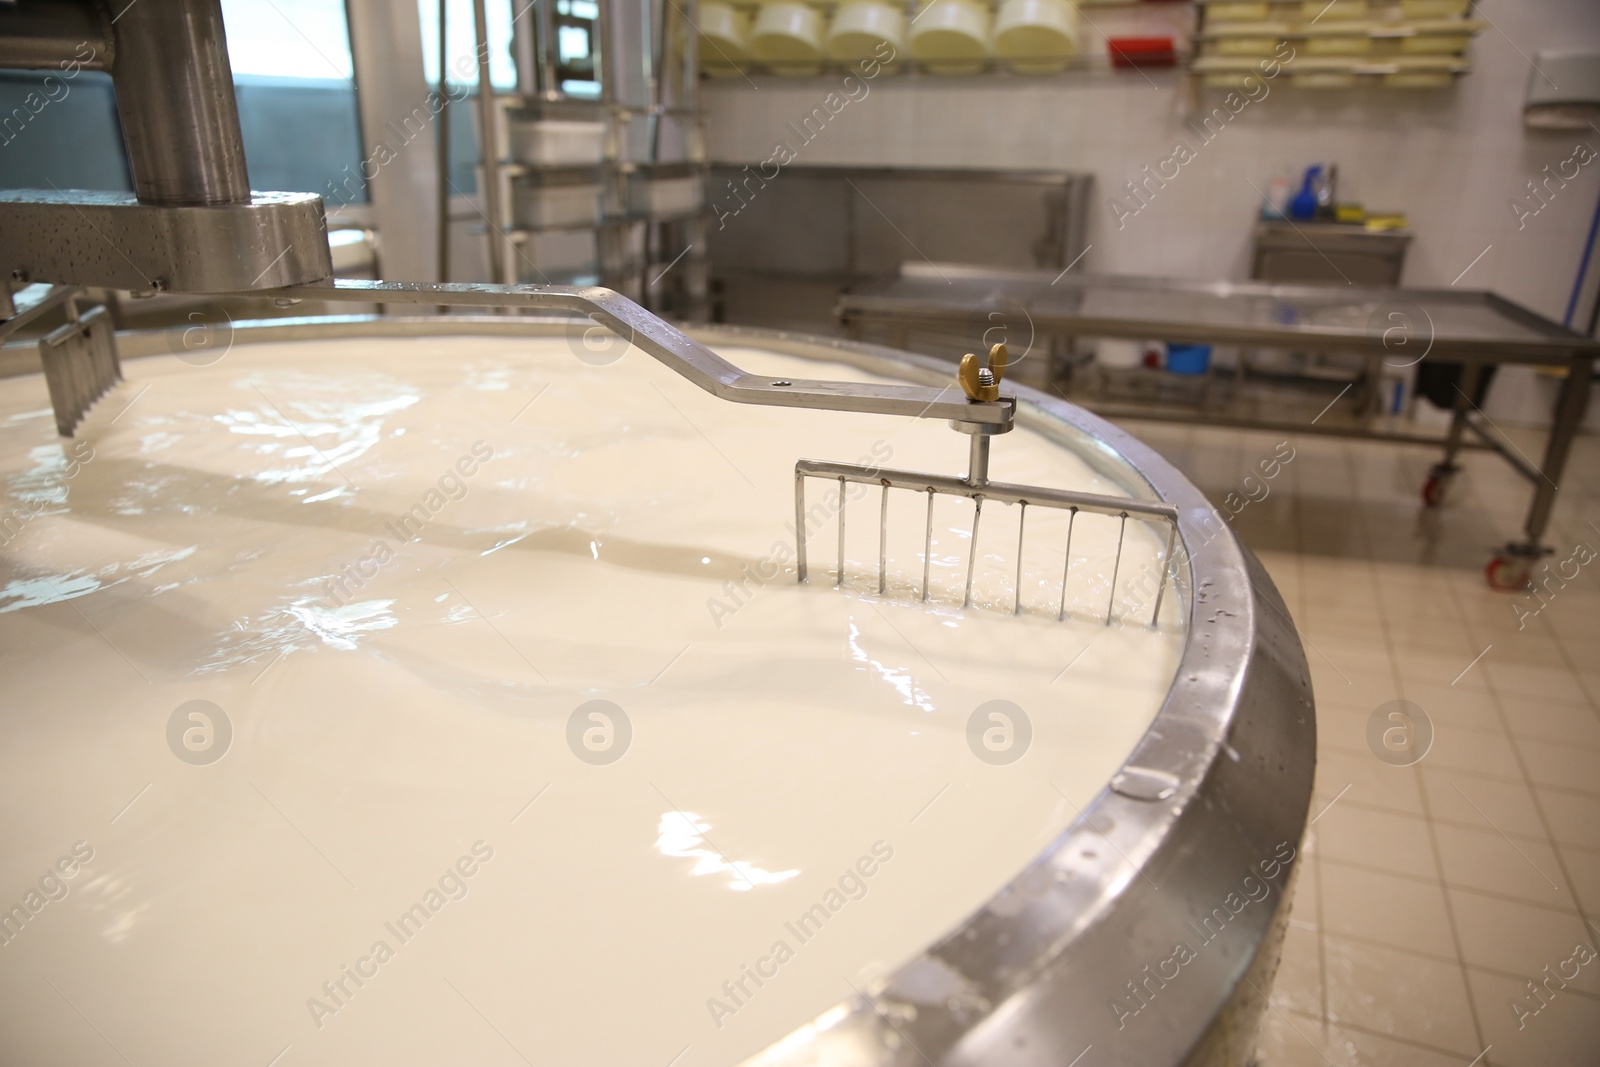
x=676 y=349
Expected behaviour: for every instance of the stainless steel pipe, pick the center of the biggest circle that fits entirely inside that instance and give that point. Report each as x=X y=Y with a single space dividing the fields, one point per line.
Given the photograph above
x=180 y=120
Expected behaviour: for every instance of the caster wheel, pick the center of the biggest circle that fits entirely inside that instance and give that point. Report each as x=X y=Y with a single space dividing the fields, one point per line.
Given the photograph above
x=1508 y=574
x=1437 y=486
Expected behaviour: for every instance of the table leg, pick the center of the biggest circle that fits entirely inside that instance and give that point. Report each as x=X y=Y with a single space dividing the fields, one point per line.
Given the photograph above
x=1570 y=408
x=1444 y=472
x=1458 y=420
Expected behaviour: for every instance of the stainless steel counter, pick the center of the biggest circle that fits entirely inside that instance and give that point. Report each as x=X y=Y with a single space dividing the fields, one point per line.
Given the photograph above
x=1405 y=326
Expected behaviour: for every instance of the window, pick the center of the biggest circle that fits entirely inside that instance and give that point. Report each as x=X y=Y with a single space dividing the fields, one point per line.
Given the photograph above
x=292 y=76
x=305 y=39
x=462 y=38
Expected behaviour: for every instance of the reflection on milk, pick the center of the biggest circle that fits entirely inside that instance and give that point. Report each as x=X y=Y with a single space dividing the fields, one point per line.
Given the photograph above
x=682 y=834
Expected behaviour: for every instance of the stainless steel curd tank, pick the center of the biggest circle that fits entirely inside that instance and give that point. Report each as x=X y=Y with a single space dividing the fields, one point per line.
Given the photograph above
x=1149 y=931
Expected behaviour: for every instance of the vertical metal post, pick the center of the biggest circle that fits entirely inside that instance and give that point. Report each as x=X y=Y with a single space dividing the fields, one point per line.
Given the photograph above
x=489 y=149
x=548 y=52
x=396 y=117
x=443 y=161
x=978 y=460
x=1570 y=406
x=1470 y=373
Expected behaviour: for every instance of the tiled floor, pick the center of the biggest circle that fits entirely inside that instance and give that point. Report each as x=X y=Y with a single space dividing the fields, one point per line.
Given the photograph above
x=1435 y=893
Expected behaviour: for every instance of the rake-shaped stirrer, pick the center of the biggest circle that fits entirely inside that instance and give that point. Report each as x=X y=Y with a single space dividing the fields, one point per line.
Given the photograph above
x=981 y=383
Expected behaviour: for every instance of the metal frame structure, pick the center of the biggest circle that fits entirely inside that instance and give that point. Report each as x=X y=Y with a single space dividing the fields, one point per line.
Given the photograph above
x=1058 y=307
x=1213 y=798
x=637 y=37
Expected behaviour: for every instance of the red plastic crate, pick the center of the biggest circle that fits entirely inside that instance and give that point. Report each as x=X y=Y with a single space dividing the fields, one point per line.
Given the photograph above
x=1142 y=51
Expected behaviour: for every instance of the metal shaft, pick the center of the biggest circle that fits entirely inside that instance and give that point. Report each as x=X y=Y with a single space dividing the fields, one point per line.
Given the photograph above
x=927 y=547
x=978 y=461
x=175 y=100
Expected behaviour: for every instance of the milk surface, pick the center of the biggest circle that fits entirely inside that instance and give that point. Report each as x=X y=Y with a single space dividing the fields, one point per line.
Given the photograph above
x=453 y=700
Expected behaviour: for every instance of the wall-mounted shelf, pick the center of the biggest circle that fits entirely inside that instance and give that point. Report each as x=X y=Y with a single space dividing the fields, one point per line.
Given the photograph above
x=1333 y=72
x=1333 y=43
x=1434 y=35
x=1333 y=10
x=906 y=70
x=940 y=38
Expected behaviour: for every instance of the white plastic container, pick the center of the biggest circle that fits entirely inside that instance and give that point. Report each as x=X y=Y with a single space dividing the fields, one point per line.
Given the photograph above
x=952 y=37
x=569 y=253
x=555 y=142
x=1036 y=36
x=724 y=40
x=665 y=190
x=787 y=38
x=1118 y=353
x=550 y=199
x=861 y=29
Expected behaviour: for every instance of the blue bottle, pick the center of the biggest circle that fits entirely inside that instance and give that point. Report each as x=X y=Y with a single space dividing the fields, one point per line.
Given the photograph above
x=1304 y=204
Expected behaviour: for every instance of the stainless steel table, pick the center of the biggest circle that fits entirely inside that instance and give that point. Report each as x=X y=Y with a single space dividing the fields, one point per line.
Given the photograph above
x=1403 y=326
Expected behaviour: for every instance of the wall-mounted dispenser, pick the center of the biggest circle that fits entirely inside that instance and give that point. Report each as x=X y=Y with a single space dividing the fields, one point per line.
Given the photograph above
x=1563 y=91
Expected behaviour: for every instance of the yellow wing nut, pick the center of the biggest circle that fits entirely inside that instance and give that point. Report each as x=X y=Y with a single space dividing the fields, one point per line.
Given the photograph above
x=982 y=383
